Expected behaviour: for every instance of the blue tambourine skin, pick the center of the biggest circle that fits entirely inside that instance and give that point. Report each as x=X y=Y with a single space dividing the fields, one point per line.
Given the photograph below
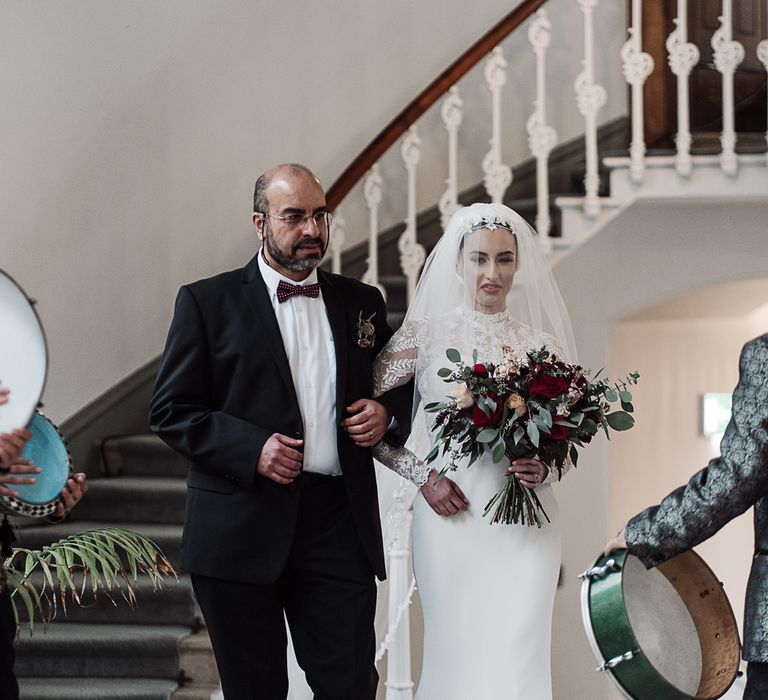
x=45 y=449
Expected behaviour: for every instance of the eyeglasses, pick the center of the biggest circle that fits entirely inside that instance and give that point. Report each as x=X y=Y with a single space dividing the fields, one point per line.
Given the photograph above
x=321 y=219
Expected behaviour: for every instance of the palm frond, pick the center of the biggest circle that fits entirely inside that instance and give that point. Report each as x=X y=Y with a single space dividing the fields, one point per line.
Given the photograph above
x=107 y=560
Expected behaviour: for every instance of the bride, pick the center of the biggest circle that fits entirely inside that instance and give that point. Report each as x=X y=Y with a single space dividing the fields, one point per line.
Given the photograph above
x=487 y=591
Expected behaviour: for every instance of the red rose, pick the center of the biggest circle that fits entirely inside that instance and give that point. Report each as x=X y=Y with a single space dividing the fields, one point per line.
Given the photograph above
x=480 y=370
x=558 y=432
x=481 y=420
x=546 y=387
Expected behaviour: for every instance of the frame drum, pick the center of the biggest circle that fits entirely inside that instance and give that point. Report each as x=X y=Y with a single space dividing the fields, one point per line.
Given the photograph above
x=666 y=633
x=23 y=355
x=47 y=450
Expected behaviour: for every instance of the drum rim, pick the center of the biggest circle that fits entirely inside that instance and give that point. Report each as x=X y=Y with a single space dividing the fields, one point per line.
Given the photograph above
x=590 y=632
x=33 y=306
x=592 y=638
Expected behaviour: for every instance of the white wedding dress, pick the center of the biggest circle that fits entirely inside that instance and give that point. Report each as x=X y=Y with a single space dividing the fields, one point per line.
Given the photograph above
x=487 y=591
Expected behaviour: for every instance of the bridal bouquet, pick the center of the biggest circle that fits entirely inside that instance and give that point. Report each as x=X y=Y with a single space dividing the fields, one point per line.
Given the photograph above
x=537 y=407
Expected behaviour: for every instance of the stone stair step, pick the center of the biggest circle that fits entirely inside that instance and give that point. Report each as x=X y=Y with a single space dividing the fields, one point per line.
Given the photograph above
x=174 y=603
x=167 y=537
x=142 y=455
x=98 y=651
x=96 y=689
x=197 y=660
x=195 y=692
x=131 y=499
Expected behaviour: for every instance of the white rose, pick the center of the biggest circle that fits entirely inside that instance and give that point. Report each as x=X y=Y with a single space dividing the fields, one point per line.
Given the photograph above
x=463 y=395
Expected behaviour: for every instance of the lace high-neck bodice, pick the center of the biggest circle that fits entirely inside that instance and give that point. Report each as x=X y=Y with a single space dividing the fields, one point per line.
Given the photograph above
x=418 y=350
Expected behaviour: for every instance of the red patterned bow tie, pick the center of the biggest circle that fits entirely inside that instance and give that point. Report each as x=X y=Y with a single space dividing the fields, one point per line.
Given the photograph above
x=285 y=290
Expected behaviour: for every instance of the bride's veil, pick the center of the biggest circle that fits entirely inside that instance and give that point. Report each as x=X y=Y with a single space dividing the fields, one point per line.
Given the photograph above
x=447 y=284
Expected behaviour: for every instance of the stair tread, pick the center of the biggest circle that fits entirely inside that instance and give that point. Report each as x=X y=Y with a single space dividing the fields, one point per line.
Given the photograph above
x=62 y=688
x=86 y=632
x=144 y=482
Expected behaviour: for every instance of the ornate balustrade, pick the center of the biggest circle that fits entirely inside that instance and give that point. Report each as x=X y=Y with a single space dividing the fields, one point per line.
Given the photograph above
x=656 y=175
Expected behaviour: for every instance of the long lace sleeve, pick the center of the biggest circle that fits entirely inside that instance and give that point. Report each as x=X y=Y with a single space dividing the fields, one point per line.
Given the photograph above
x=395 y=366
x=402 y=461
x=396 y=363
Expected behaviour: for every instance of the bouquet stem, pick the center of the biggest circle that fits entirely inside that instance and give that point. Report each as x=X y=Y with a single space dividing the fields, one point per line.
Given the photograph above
x=515 y=503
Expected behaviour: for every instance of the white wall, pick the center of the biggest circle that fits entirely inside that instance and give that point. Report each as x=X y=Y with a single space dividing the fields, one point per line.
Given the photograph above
x=131 y=134
x=655 y=251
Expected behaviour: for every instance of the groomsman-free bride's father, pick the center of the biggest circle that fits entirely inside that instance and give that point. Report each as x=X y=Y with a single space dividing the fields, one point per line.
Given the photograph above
x=265 y=386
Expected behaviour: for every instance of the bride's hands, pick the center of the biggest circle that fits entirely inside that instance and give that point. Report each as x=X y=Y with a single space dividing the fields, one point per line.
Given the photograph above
x=529 y=472
x=443 y=495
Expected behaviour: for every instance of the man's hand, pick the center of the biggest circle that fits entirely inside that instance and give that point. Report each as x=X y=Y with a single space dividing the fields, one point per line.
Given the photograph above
x=281 y=458
x=443 y=495
x=75 y=489
x=23 y=466
x=11 y=447
x=368 y=422
x=617 y=542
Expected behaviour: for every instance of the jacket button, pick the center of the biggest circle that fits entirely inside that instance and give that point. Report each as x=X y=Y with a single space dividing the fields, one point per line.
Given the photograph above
x=293 y=486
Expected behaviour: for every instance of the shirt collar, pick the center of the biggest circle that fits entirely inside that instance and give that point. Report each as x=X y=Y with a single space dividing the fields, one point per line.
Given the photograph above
x=272 y=277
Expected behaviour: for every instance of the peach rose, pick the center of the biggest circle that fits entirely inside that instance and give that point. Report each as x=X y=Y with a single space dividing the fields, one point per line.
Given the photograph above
x=516 y=403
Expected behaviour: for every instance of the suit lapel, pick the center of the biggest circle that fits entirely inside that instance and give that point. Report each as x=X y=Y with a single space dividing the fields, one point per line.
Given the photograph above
x=257 y=296
x=337 y=318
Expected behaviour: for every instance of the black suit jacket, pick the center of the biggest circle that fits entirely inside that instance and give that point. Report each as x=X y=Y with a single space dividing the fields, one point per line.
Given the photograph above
x=224 y=387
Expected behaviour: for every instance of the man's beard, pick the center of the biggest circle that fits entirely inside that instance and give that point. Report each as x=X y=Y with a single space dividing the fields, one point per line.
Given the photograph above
x=289 y=261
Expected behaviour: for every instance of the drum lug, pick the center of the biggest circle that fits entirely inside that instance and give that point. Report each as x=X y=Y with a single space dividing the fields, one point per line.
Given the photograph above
x=616 y=660
x=600 y=571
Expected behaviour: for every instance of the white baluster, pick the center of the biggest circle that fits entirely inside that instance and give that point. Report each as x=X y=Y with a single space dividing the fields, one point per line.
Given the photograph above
x=397 y=641
x=541 y=137
x=372 y=193
x=728 y=55
x=338 y=235
x=762 y=54
x=637 y=66
x=412 y=253
x=451 y=113
x=590 y=97
x=683 y=56
x=498 y=176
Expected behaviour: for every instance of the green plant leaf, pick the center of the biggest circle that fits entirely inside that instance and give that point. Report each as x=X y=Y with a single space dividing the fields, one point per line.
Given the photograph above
x=620 y=420
x=487 y=435
x=533 y=433
x=453 y=355
x=443 y=372
x=610 y=395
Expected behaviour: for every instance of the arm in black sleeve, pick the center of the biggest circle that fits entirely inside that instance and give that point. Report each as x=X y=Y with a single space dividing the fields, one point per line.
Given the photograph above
x=181 y=408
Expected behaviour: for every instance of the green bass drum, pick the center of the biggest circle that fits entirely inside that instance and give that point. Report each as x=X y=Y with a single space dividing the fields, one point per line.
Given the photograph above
x=666 y=633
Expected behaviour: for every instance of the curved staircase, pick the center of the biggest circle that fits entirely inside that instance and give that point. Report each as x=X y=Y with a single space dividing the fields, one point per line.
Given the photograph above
x=107 y=650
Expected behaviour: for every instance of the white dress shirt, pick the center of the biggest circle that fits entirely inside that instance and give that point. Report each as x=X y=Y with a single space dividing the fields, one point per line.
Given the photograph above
x=309 y=345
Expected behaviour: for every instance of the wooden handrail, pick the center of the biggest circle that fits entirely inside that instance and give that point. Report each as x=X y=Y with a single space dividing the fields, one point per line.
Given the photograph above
x=438 y=87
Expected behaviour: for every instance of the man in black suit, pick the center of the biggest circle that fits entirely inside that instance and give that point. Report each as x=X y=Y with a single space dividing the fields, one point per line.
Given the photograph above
x=264 y=385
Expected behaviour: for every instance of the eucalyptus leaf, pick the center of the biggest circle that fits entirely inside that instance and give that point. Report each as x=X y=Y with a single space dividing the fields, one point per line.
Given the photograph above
x=533 y=433
x=453 y=355
x=498 y=451
x=519 y=434
x=444 y=372
x=625 y=396
x=610 y=395
x=487 y=435
x=620 y=420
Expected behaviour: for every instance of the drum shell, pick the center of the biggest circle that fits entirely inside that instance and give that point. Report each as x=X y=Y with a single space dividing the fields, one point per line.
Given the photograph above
x=612 y=633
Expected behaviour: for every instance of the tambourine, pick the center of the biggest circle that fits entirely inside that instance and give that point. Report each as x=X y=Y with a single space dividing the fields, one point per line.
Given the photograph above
x=46 y=449
x=666 y=633
x=23 y=355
